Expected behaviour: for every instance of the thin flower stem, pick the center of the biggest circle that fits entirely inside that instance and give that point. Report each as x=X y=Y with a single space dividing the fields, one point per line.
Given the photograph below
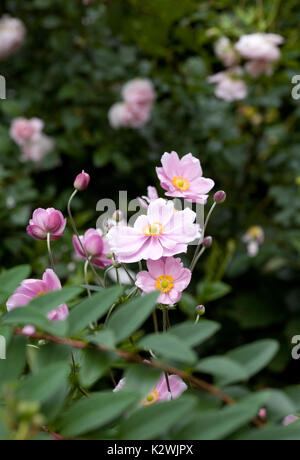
x=197 y=258
x=97 y=277
x=49 y=250
x=86 y=278
x=197 y=251
x=106 y=273
x=165 y=326
x=128 y=273
x=155 y=322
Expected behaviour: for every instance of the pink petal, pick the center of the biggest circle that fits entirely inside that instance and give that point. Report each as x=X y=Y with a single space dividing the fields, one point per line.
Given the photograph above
x=145 y=282
x=156 y=268
x=51 y=281
x=160 y=211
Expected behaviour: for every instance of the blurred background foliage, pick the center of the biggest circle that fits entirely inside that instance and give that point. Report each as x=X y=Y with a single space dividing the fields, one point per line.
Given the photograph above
x=70 y=71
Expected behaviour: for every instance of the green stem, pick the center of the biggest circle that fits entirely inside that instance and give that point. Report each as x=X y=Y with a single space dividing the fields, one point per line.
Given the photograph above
x=86 y=278
x=98 y=279
x=197 y=255
x=194 y=263
x=49 y=250
x=128 y=274
x=165 y=330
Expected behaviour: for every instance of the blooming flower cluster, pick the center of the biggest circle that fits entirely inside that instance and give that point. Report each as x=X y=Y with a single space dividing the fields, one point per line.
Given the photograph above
x=29 y=136
x=135 y=111
x=12 y=36
x=260 y=50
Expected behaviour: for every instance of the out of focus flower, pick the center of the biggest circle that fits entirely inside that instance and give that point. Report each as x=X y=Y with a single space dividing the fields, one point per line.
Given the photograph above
x=229 y=85
x=122 y=115
x=225 y=52
x=166 y=275
x=263 y=414
x=151 y=195
x=183 y=178
x=290 y=419
x=260 y=46
x=254 y=237
x=161 y=392
x=12 y=36
x=37 y=148
x=139 y=92
x=23 y=130
x=32 y=288
x=87 y=2
x=82 y=181
x=259 y=67
x=96 y=247
x=161 y=233
x=46 y=221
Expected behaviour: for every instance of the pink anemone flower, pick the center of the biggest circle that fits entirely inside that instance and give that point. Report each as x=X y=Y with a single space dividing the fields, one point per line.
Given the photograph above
x=166 y=275
x=160 y=392
x=95 y=246
x=163 y=232
x=32 y=288
x=46 y=221
x=183 y=178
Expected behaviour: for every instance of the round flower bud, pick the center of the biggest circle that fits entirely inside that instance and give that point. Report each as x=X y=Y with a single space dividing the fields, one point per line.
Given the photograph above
x=82 y=181
x=207 y=242
x=220 y=197
x=200 y=310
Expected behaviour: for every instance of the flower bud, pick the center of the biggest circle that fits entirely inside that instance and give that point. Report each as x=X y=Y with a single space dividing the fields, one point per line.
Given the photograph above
x=220 y=197
x=207 y=242
x=200 y=310
x=82 y=181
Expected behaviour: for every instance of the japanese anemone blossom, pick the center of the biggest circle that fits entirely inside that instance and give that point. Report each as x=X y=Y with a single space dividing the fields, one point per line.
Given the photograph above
x=37 y=148
x=162 y=232
x=151 y=195
x=126 y=115
x=138 y=92
x=229 y=86
x=259 y=67
x=95 y=246
x=32 y=288
x=260 y=46
x=225 y=51
x=166 y=275
x=254 y=238
x=23 y=130
x=12 y=36
x=46 y=221
x=160 y=392
x=183 y=178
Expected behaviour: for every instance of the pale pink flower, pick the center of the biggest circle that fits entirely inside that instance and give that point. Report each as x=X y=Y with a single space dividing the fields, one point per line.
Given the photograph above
x=37 y=148
x=139 y=92
x=254 y=238
x=46 y=221
x=225 y=52
x=125 y=115
x=259 y=67
x=183 y=178
x=166 y=275
x=163 y=232
x=151 y=195
x=260 y=46
x=12 y=36
x=290 y=419
x=229 y=86
x=96 y=247
x=23 y=130
x=32 y=288
x=160 y=393
x=87 y=2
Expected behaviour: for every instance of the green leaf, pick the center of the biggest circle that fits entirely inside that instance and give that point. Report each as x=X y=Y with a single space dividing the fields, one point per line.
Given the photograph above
x=216 y=425
x=39 y=387
x=95 y=411
x=275 y=433
x=141 y=379
x=169 y=346
x=225 y=370
x=30 y=315
x=51 y=300
x=279 y=405
x=129 y=317
x=154 y=421
x=92 y=309
x=194 y=334
x=211 y=290
x=11 y=279
x=94 y=365
x=12 y=367
x=256 y=356
x=105 y=337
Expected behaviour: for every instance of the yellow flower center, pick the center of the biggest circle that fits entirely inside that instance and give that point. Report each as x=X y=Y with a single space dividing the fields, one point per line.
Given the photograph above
x=181 y=183
x=164 y=283
x=151 y=398
x=153 y=229
x=255 y=232
x=41 y=293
